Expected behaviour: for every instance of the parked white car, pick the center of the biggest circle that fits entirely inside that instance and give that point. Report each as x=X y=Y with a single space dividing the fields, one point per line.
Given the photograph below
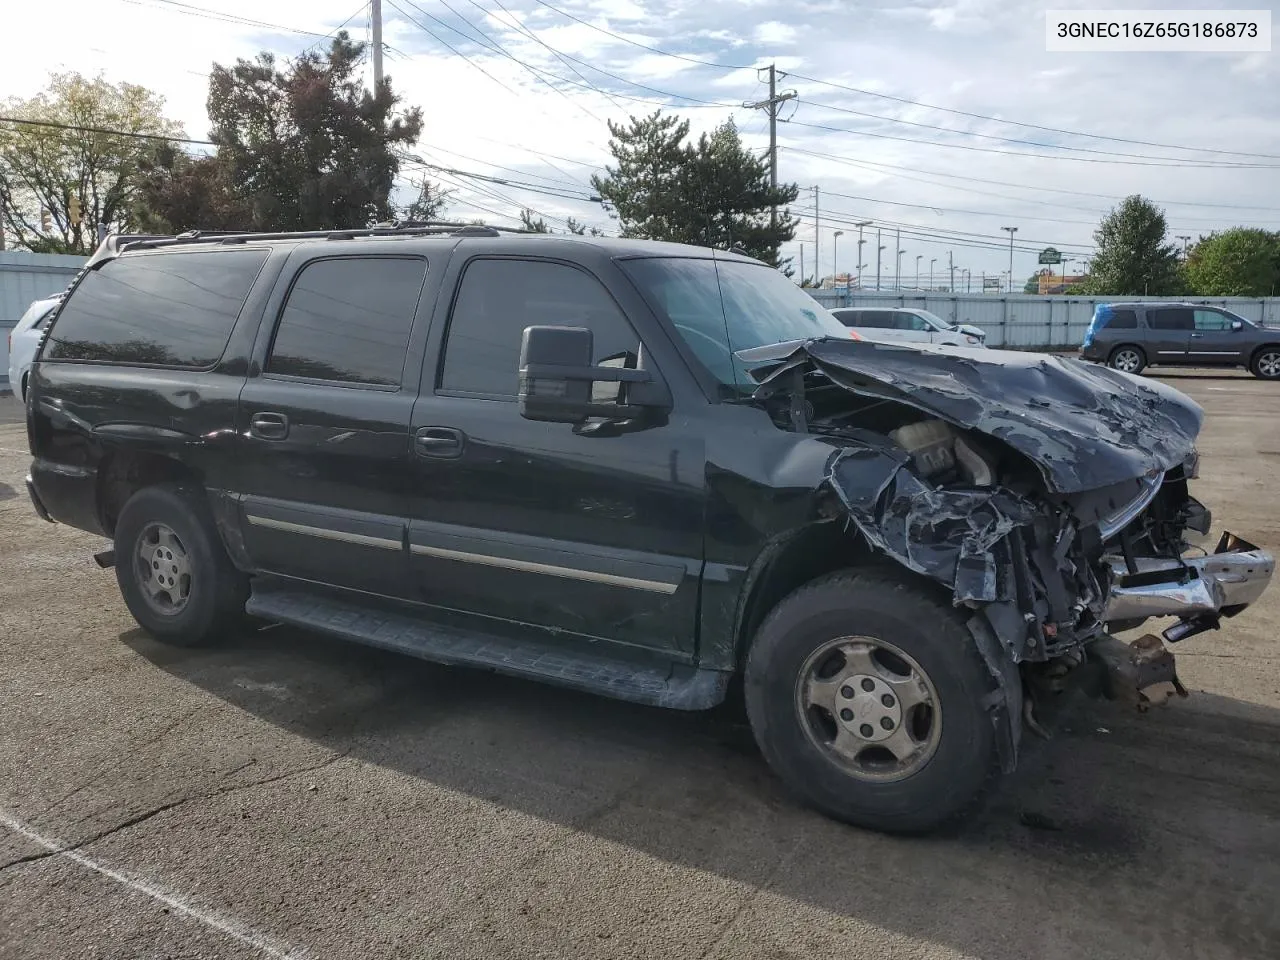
x=23 y=341
x=908 y=324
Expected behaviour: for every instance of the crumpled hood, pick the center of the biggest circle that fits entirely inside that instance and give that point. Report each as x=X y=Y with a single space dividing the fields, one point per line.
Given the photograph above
x=1086 y=426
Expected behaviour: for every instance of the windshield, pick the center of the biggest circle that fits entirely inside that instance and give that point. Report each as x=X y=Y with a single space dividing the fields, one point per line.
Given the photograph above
x=720 y=307
x=937 y=322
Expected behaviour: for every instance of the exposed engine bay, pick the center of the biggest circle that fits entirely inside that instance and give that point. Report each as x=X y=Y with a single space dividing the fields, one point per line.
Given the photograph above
x=1050 y=497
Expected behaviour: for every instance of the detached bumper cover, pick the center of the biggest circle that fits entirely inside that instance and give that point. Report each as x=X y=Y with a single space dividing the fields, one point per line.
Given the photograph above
x=1220 y=584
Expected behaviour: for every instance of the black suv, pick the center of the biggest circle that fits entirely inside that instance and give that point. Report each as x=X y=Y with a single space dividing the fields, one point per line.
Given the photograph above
x=632 y=468
x=1132 y=336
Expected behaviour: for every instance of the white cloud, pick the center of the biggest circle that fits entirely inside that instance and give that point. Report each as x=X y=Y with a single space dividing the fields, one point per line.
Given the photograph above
x=1000 y=69
x=774 y=32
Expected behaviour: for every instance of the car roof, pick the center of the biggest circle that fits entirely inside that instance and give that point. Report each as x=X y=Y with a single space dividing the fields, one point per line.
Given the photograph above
x=427 y=238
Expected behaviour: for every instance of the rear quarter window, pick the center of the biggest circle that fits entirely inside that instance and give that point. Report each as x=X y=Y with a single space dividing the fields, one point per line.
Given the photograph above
x=1120 y=320
x=160 y=309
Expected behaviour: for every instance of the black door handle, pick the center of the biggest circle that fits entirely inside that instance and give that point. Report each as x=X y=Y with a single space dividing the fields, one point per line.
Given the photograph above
x=269 y=426
x=442 y=442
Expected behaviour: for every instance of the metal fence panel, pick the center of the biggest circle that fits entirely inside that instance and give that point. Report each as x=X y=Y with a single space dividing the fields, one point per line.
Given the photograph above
x=1027 y=321
x=25 y=277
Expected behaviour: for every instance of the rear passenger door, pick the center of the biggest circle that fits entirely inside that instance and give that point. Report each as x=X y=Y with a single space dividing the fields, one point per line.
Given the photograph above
x=577 y=530
x=1168 y=334
x=1213 y=341
x=324 y=421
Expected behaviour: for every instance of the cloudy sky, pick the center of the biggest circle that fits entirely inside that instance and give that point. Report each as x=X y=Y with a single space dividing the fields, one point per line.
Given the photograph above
x=939 y=122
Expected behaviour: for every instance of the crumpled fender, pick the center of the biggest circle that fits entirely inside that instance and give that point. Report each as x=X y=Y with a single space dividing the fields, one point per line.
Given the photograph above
x=1085 y=426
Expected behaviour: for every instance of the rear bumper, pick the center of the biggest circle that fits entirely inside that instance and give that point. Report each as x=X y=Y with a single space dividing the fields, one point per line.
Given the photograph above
x=63 y=493
x=37 y=503
x=1220 y=584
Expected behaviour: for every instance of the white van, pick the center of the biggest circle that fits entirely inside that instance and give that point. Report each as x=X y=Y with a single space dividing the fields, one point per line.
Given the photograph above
x=909 y=324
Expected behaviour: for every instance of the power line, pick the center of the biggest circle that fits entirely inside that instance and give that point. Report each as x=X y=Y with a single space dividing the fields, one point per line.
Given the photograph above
x=447 y=45
x=105 y=130
x=1015 y=140
x=194 y=11
x=1029 y=126
x=1022 y=153
x=642 y=46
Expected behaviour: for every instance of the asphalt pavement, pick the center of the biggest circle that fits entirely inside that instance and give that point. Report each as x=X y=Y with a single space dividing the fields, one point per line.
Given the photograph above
x=287 y=795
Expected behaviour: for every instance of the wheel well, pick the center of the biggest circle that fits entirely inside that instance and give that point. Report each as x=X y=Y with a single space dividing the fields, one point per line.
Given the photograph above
x=1265 y=346
x=812 y=552
x=1133 y=346
x=123 y=473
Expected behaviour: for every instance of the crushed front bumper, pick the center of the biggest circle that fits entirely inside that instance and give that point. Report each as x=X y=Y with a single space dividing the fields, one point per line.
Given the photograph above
x=1197 y=590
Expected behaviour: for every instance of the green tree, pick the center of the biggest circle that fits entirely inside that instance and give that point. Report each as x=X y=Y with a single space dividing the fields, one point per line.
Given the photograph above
x=180 y=192
x=304 y=148
x=581 y=229
x=712 y=193
x=429 y=203
x=1240 y=262
x=1033 y=283
x=1133 y=256
x=72 y=166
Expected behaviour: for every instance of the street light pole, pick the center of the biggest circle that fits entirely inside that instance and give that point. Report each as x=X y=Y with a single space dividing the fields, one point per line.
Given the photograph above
x=897 y=259
x=860 y=225
x=1184 y=238
x=835 y=253
x=931 y=263
x=878 y=252
x=1012 y=231
x=919 y=257
x=951 y=265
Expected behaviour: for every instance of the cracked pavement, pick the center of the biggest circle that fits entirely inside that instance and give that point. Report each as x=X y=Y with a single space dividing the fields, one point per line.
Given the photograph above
x=287 y=795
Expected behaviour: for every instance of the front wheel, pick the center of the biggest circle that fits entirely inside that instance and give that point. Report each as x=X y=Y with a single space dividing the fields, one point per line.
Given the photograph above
x=865 y=693
x=1127 y=360
x=1266 y=364
x=174 y=575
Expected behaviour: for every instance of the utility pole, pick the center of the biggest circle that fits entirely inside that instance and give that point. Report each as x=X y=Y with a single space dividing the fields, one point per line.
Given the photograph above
x=1012 y=231
x=879 y=250
x=860 y=225
x=771 y=107
x=803 y=278
x=919 y=257
x=817 y=239
x=951 y=286
x=375 y=15
x=1184 y=238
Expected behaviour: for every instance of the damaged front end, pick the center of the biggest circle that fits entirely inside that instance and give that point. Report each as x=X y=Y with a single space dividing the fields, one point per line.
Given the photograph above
x=1049 y=496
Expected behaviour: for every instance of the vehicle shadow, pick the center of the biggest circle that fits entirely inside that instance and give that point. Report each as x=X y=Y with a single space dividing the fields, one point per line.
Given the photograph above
x=1127 y=835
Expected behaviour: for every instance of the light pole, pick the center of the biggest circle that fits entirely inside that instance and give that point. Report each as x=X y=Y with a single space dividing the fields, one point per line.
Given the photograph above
x=860 y=225
x=835 y=254
x=1012 y=231
x=919 y=257
x=1185 y=239
x=966 y=279
x=931 y=263
x=878 y=252
x=897 y=271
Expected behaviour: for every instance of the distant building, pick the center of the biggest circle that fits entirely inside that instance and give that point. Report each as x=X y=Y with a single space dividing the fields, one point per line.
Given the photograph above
x=1053 y=283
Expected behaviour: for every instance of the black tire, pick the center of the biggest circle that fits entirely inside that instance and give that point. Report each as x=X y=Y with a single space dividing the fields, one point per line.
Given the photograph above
x=1118 y=359
x=964 y=763
x=1265 y=362
x=214 y=602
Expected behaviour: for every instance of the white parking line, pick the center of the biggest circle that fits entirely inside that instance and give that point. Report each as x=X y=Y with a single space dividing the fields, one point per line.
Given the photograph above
x=225 y=925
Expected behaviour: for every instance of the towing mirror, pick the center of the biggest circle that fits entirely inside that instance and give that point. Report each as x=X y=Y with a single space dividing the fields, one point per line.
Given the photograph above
x=558 y=381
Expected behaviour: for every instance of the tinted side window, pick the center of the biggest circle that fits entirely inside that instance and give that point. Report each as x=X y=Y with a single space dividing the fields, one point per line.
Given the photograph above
x=876 y=319
x=1170 y=318
x=1122 y=320
x=850 y=318
x=167 y=309
x=349 y=319
x=499 y=298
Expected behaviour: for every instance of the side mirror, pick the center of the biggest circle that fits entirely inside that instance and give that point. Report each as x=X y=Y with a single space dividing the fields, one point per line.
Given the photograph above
x=1237 y=325
x=556 y=378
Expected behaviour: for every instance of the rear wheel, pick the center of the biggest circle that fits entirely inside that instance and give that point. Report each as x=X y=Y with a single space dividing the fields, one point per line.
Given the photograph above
x=173 y=572
x=1127 y=359
x=865 y=694
x=1266 y=363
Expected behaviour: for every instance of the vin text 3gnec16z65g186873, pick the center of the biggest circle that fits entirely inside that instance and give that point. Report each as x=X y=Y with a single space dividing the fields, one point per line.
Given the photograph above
x=637 y=469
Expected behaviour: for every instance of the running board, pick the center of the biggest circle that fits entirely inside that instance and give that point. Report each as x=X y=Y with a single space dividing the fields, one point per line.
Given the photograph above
x=674 y=686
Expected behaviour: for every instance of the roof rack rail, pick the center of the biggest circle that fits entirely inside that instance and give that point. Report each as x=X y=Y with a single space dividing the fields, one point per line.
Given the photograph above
x=388 y=229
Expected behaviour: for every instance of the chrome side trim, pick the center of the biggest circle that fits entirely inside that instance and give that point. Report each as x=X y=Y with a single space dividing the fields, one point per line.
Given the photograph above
x=1113 y=524
x=528 y=566
x=363 y=539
